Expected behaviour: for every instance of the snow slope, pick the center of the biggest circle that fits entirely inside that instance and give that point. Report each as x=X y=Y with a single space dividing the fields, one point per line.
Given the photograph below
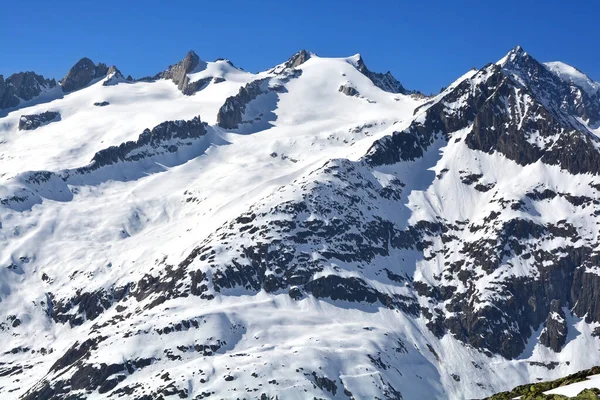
x=574 y=76
x=291 y=256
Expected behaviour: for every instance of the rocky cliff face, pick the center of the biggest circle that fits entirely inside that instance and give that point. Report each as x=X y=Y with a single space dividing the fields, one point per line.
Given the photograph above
x=169 y=136
x=385 y=81
x=81 y=74
x=178 y=73
x=22 y=86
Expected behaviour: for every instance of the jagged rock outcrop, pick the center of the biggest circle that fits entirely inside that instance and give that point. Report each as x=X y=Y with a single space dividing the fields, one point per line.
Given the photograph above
x=178 y=73
x=500 y=115
x=114 y=76
x=34 y=121
x=231 y=114
x=22 y=86
x=298 y=59
x=81 y=74
x=564 y=98
x=349 y=90
x=295 y=61
x=166 y=137
x=385 y=82
x=554 y=334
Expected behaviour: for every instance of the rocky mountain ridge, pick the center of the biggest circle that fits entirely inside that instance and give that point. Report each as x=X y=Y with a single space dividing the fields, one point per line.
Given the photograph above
x=300 y=240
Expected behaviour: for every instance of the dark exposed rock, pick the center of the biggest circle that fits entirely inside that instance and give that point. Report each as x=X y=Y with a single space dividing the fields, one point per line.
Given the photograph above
x=294 y=62
x=81 y=74
x=561 y=98
x=385 y=82
x=348 y=90
x=514 y=135
x=101 y=104
x=158 y=140
x=325 y=383
x=88 y=305
x=114 y=76
x=178 y=73
x=554 y=334
x=22 y=86
x=34 y=121
x=232 y=112
x=298 y=59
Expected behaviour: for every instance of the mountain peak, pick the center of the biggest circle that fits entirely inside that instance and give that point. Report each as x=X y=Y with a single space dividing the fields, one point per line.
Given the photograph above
x=299 y=58
x=178 y=72
x=515 y=54
x=82 y=73
x=22 y=86
x=190 y=61
x=386 y=82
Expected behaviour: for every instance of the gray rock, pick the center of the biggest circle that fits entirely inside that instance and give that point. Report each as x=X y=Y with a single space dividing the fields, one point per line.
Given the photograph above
x=101 y=104
x=385 y=82
x=158 y=140
x=489 y=101
x=178 y=73
x=231 y=113
x=554 y=334
x=298 y=59
x=22 y=86
x=348 y=90
x=115 y=76
x=81 y=74
x=295 y=61
x=34 y=121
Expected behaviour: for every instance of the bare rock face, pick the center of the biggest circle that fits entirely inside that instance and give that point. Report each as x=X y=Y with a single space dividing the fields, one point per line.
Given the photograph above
x=114 y=76
x=298 y=59
x=554 y=334
x=231 y=113
x=178 y=73
x=490 y=101
x=294 y=62
x=166 y=137
x=34 y=121
x=81 y=74
x=385 y=82
x=22 y=86
x=348 y=90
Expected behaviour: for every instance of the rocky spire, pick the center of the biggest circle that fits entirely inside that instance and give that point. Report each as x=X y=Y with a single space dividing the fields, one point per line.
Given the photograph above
x=385 y=82
x=294 y=61
x=81 y=74
x=178 y=72
x=298 y=59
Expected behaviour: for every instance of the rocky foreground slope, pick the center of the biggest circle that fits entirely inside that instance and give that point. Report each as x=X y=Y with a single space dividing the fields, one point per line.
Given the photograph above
x=312 y=231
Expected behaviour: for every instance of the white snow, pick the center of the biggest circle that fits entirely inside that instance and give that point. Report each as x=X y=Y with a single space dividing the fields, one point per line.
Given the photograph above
x=573 y=75
x=574 y=389
x=105 y=230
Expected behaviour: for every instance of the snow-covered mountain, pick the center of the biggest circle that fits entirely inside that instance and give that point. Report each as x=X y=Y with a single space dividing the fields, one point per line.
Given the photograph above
x=312 y=231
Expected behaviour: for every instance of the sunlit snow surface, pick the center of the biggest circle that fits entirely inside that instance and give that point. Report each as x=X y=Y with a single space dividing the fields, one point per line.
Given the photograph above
x=574 y=389
x=115 y=229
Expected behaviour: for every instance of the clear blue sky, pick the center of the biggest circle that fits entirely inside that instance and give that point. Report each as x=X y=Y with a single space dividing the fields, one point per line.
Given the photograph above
x=426 y=44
